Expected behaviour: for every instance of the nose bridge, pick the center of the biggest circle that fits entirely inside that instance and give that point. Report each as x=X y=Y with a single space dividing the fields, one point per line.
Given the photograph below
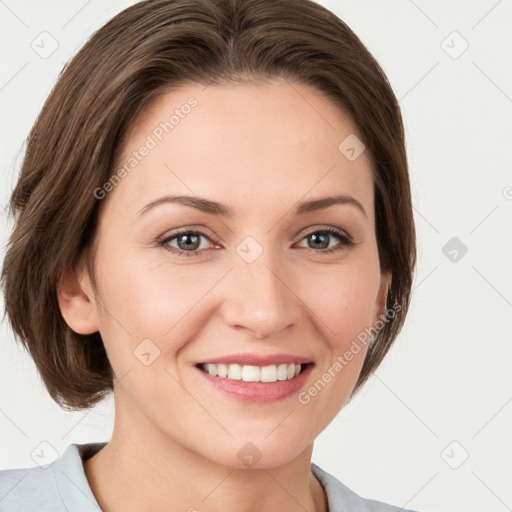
x=260 y=299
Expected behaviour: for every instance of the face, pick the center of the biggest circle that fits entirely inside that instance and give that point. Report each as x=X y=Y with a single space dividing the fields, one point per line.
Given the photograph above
x=252 y=282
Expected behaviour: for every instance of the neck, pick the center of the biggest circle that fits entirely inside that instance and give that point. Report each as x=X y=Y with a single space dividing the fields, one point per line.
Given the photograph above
x=144 y=470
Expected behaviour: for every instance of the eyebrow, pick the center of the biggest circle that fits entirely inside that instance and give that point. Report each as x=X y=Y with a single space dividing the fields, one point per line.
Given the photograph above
x=215 y=208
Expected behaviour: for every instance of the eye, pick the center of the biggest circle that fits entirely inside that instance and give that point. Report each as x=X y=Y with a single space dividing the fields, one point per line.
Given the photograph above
x=186 y=243
x=320 y=239
x=190 y=242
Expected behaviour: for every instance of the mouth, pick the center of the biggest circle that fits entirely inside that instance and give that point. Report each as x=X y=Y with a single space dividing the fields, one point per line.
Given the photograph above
x=255 y=383
x=253 y=373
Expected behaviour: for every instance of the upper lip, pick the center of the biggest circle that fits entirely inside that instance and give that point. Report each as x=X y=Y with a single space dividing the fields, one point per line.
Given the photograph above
x=258 y=359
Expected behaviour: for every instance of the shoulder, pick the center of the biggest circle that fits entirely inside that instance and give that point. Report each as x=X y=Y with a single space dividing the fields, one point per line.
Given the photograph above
x=341 y=498
x=57 y=487
x=28 y=489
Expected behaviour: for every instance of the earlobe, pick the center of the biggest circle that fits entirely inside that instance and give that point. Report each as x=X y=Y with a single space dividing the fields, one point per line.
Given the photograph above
x=76 y=302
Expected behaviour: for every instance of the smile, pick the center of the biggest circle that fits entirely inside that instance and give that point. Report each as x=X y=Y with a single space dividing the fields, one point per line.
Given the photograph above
x=256 y=377
x=251 y=373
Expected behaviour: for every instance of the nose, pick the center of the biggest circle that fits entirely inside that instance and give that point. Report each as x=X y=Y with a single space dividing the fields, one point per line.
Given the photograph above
x=260 y=298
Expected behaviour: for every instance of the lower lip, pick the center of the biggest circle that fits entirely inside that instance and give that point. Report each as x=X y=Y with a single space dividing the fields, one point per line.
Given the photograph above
x=266 y=392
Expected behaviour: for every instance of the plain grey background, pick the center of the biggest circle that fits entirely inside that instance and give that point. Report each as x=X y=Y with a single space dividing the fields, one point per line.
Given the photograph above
x=431 y=430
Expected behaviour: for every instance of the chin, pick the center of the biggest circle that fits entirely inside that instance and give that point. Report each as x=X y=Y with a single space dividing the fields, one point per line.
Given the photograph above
x=259 y=454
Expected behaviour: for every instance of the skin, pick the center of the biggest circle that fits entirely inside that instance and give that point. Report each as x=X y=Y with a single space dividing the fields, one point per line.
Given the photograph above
x=258 y=149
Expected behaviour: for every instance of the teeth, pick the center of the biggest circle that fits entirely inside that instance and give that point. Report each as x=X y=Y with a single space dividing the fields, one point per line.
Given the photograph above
x=235 y=372
x=282 y=372
x=212 y=369
x=269 y=373
x=222 y=370
x=249 y=373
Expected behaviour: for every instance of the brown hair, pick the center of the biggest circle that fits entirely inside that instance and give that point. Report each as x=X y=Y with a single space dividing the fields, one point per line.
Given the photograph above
x=142 y=52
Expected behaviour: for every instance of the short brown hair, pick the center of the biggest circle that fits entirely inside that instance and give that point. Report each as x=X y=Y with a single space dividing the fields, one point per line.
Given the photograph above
x=143 y=52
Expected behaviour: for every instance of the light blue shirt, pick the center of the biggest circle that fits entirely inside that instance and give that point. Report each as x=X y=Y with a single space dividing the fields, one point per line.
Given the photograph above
x=63 y=487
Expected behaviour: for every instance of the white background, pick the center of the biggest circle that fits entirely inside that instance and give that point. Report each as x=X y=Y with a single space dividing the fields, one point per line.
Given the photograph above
x=448 y=376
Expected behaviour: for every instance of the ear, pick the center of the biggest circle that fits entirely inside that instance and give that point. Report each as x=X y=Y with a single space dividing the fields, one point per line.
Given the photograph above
x=76 y=301
x=382 y=295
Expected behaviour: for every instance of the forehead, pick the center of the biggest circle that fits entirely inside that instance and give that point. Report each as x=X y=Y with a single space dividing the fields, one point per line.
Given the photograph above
x=240 y=142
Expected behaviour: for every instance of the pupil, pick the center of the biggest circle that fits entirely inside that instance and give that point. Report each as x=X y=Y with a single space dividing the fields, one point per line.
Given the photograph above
x=321 y=239
x=185 y=239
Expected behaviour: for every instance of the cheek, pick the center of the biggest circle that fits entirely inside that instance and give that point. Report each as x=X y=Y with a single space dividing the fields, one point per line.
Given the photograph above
x=144 y=300
x=343 y=308
x=146 y=318
x=343 y=303
x=344 y=299
x=149 y=298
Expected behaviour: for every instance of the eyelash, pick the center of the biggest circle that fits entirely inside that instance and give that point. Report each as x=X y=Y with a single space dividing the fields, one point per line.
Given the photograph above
x=346 y=241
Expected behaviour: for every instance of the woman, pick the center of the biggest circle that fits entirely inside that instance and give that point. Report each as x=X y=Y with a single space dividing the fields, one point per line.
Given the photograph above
x=213 y=222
